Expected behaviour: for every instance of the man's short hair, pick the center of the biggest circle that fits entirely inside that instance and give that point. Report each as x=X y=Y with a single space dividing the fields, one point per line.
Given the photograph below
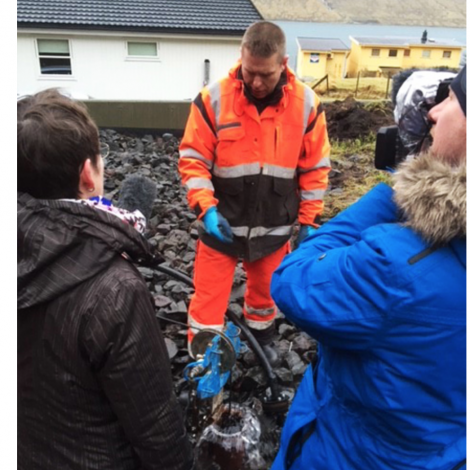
x=55 y=136
x=263 y=39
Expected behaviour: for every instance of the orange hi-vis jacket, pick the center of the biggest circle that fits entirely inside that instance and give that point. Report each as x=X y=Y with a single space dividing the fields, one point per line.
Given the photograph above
x=261 y=171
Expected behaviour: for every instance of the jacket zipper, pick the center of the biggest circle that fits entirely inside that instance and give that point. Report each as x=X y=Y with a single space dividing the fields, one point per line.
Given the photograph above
x=276 y=143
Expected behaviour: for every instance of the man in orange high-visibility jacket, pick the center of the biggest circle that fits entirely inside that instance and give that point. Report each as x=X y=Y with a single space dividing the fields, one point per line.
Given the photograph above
x=254 y=158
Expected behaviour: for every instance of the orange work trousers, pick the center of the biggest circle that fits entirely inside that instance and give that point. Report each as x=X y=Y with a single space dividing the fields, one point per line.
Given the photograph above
x=213 y=279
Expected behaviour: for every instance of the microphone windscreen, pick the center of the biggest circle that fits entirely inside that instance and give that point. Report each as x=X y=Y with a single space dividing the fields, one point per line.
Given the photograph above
x=137 y=193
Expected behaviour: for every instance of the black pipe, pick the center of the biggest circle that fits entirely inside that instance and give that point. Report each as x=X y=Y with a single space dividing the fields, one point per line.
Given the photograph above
x=174 y=273
x=257 y=349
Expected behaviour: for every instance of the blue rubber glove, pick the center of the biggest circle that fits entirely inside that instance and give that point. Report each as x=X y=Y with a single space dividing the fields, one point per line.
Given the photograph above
x=304 y=232
x=217 y=225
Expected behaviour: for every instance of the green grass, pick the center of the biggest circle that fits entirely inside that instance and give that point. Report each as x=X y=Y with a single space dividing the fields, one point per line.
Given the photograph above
x=354 y=160
x=345 y=148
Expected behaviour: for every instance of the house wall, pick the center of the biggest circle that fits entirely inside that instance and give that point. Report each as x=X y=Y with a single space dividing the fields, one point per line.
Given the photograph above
x=416 y=59
x=102 y=70
x=353 y=63
x=361 y=59
x=373 y=63
x=335 y=67
x=306 y=69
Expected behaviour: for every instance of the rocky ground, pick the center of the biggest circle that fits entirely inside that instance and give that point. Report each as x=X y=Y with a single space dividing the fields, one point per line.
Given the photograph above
x=172 y=231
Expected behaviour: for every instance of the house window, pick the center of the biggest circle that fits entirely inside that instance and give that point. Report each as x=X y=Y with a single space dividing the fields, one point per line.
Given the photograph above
x=314 y=58
x=54 y=57
x=393 y=53
x=446 y=54
x=426 y=54
x=375 y=52
x=142 y=49
x=406 y=53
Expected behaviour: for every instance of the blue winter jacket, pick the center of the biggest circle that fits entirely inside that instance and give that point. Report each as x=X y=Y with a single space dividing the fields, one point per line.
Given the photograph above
x=388 y=389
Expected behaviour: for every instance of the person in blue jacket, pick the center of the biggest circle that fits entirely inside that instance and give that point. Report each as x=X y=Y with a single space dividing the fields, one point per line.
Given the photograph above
x=382 y=288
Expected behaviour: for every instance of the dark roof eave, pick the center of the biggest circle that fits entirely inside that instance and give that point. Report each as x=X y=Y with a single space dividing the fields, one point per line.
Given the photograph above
x=324 y=50
x=134 y=29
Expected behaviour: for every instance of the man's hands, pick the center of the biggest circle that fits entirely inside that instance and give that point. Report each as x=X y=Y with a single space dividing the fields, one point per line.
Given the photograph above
x=304 y=232
x=217 y=225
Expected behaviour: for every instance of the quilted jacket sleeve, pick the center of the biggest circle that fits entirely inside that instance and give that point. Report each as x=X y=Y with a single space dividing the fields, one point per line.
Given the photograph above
x=127 y=351
x=336 y=285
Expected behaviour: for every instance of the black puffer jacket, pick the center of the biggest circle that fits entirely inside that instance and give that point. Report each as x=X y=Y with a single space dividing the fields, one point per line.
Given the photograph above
x=94 y=383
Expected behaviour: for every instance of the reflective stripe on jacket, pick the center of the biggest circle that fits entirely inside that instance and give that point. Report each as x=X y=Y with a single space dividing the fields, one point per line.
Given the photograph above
x=262 y=171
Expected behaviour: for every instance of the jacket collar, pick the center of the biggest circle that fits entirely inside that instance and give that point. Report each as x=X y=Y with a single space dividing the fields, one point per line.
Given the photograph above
x=52 y=232
x=432 y=196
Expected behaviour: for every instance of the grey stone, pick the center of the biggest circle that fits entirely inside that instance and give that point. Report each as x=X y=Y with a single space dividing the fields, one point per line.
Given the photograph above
x=171 y=348
x=161 y=301
x=296 y=364
x=284 y=375
x=146 y=272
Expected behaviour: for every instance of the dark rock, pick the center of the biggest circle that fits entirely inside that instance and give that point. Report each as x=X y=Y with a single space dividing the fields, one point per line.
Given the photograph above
x=250 y=358
x=161 y=301
x=284 y=375
x=163 y=228
x=171 y=348
x=285 y=329
x=302 y=342
x=146 y=272
x=296 y=364
x=310 y=357
x=237 y=309
x=238 y=293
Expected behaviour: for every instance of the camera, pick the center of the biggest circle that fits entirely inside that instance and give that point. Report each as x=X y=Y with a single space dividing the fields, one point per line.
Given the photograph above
x=414 y=93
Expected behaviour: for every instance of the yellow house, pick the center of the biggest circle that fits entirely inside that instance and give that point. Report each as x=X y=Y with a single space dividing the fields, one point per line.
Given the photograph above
x=317 y=57
x=375 y=56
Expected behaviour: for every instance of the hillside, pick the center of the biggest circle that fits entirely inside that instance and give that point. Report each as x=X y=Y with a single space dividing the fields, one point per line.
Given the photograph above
x=389 y=12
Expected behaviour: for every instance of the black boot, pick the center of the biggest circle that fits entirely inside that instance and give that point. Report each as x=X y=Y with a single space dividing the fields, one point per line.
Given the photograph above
x=265 y=340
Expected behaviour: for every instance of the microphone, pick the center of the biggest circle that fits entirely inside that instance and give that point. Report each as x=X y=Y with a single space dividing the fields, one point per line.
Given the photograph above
x=137 y=193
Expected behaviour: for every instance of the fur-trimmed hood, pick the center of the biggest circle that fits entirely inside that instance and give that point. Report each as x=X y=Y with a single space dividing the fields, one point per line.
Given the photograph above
x=433 y=197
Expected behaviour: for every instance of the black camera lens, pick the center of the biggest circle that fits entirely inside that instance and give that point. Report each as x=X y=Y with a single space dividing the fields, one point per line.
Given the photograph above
x=443 y=90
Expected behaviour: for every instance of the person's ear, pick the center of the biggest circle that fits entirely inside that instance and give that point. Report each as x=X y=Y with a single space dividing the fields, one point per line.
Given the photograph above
x=284 y=62
x=87 y=183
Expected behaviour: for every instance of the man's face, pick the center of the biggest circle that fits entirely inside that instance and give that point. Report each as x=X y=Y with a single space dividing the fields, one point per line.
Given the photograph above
x=260 y=74
x=449 y=131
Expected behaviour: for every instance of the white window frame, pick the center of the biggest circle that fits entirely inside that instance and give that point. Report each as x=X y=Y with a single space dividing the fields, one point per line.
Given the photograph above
x=426 y=54
x=142 y=58
x=53 y=76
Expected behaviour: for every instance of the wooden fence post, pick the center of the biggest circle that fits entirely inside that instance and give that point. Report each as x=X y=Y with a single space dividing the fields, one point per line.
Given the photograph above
x=357 y=83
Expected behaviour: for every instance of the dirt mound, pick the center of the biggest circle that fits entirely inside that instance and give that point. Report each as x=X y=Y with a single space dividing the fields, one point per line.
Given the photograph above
x=350 y=119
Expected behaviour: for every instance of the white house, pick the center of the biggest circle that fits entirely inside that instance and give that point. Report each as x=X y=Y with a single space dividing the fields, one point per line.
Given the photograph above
x=128 y=49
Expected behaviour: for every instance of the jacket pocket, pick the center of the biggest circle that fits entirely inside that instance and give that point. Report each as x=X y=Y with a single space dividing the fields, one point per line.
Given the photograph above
x=283 y=186
x=229 y=132
x=230 y=145
x=231 y=195
x=230 y=186
x=285 y=204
